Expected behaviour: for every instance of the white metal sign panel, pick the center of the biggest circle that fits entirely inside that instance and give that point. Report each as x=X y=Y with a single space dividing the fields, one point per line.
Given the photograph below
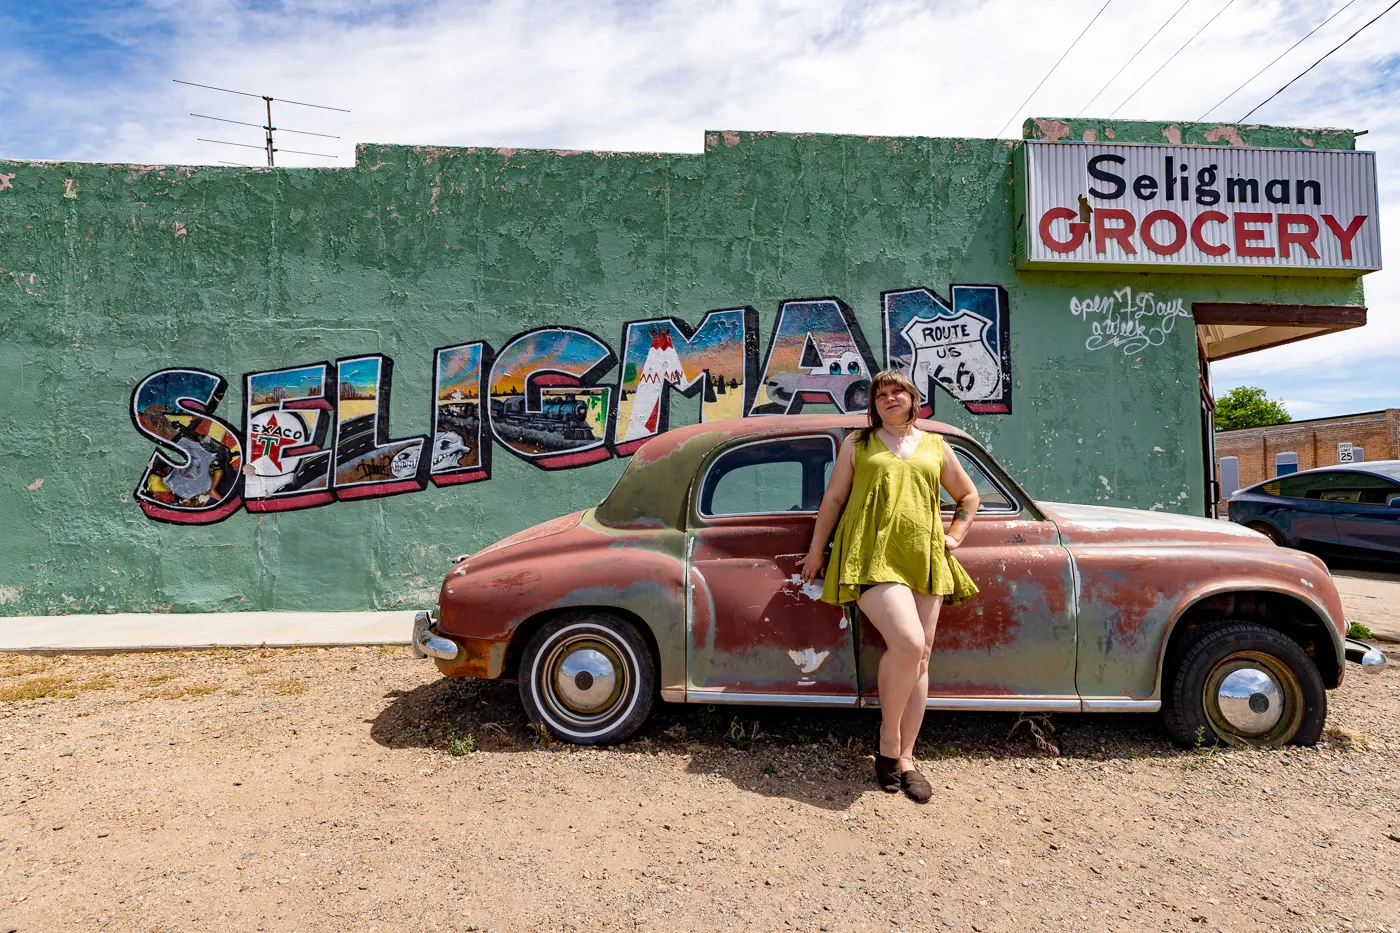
x=1344 y=453
x=1140 y=205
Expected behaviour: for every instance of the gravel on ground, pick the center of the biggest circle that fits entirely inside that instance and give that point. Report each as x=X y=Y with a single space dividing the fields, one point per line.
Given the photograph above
x=356 y=789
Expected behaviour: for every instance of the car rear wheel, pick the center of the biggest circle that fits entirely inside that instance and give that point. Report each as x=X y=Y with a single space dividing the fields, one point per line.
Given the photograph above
x=1270 y=532
x=1240 y=683
x=589 y=678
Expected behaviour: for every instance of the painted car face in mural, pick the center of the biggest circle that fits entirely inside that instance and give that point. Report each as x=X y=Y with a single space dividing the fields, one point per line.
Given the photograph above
x=683 y=583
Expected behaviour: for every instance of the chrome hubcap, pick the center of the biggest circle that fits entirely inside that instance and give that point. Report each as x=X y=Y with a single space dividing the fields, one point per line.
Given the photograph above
x=1250 y=700
x=586 y=678
x=584 y=681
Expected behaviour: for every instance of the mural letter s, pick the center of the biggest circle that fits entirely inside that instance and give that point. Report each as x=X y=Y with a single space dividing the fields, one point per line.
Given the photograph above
x=201 y=483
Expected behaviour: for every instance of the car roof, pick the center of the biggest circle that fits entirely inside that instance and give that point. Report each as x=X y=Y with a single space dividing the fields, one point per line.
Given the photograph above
x=1388 y=469
x=654 y=489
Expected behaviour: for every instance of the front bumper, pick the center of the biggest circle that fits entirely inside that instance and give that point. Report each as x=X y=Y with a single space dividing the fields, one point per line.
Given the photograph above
x=426 y=641
x=1369 y=658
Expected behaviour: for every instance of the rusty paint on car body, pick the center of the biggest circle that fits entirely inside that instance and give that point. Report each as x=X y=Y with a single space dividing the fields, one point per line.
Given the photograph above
x=1140 y=572
x=1076 y=601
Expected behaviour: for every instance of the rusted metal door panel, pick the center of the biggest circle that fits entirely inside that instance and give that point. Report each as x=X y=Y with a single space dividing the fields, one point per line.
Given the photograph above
x=1016 y=638
x=754 y=628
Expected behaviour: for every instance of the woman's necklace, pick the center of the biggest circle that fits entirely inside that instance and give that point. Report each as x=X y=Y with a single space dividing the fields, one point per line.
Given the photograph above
x=901 y=445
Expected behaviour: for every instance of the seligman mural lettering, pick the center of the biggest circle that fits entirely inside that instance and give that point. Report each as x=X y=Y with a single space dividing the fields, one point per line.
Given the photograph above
x=315 y=433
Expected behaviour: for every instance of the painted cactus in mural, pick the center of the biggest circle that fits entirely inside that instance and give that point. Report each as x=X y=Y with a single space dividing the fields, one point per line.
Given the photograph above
x=316 y=433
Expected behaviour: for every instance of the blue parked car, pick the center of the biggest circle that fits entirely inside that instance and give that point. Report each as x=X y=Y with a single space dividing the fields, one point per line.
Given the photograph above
x=1341 y=511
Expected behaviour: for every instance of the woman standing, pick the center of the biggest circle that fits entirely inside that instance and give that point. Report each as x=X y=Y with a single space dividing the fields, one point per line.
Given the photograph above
x=892 y=559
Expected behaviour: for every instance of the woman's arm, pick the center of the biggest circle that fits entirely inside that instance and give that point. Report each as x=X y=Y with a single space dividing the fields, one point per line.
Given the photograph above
x=959 y=485
x=838 y=490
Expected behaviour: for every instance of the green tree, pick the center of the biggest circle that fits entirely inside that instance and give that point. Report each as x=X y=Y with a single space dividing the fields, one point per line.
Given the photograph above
x=1248 y=407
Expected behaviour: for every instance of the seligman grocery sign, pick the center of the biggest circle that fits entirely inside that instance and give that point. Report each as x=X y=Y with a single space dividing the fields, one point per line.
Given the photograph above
x=1277 y=210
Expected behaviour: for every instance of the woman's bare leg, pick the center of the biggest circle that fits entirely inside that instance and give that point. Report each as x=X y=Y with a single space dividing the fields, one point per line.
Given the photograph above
x=891 y=608
x=913 y=716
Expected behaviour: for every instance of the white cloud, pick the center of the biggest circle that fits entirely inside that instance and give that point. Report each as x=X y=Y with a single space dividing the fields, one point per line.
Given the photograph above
x=652 y=76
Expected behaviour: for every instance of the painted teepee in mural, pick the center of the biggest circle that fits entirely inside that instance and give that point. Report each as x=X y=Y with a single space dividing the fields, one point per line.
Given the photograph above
x=661 y=366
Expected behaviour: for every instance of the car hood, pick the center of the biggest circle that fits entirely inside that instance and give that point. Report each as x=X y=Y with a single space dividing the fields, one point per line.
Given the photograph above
x=554 y=526
x=1101 y=524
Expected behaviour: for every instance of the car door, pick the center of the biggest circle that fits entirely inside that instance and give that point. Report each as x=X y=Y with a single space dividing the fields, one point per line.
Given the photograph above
x=1367 y=525
x=755 y=632
x=1012 y=645
x=1303 y=511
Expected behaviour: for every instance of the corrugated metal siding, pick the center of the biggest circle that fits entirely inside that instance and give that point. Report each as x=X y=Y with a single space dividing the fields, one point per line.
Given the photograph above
x=1057 y=174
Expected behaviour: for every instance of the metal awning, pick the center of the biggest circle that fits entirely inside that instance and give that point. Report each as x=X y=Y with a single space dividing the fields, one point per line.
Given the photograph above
x=1230 y=328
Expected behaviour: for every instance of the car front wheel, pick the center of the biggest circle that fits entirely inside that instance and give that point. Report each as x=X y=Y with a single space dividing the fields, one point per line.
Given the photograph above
x=1244 y=684
x=589 y=678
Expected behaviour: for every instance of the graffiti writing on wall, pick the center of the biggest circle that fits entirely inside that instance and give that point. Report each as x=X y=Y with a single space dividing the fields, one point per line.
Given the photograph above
x=1132 y=321
x=317 y=433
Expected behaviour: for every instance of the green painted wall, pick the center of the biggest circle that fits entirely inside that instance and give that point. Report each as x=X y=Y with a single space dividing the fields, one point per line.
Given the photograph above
x=112 y=272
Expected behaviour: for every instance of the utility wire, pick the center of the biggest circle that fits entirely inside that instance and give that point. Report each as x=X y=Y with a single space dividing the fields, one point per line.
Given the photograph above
x=1319 y=61
x=1134 y=58
x=1276 y=60
x=280 y=129
x=281 y=100
x=1053 y=67
x=1173 y=55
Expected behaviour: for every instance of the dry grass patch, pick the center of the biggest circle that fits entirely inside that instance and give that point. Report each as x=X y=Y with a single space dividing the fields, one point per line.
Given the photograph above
x=157 y=679
x=289 y=687
x=20 y=665
x=255 y=671
x=53 y=686
x=1346 y=739
x=176 y=693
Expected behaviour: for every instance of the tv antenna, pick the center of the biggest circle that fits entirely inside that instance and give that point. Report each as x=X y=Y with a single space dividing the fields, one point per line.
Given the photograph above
x=268 y=128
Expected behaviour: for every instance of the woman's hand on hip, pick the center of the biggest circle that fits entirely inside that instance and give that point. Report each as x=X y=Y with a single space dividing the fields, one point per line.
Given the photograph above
x=811 y=566
x=950 y=542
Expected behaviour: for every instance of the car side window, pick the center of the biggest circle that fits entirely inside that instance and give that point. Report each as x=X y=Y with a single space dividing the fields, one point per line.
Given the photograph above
x=785 y=475
x=993 y=497
x=1303 y=486
x=1361 y=488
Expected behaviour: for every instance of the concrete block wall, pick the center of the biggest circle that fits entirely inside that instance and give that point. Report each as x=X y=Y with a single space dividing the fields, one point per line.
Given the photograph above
x=139 y=304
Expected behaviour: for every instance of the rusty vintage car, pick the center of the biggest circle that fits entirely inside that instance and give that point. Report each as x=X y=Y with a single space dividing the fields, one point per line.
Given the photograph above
x=683 y=584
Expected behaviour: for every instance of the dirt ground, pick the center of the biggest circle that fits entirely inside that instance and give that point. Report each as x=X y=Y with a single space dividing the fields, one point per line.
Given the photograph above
x=354 y=789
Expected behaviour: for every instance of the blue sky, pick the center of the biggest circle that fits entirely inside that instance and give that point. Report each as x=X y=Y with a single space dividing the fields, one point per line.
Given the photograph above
x=92 y=81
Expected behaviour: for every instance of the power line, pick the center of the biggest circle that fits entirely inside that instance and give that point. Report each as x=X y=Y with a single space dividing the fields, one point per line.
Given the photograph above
x=280 y=129
x=1275 y=61
x=280 y=100
x=1319 y=61
x=1135 y=55
x=1173 y=55
x=1053 y=67
x=268 y=129
x=324 y=155
x=221 y=142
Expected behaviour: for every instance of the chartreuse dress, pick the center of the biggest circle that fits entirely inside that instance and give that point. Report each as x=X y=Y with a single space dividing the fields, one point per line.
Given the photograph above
x=892 y=530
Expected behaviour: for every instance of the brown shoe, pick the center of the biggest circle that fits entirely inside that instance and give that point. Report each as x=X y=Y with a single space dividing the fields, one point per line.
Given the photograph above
x=916 y=786
x=886 y=775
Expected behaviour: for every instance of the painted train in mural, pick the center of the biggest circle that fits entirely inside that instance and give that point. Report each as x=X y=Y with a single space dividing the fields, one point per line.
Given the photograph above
x=317 y=433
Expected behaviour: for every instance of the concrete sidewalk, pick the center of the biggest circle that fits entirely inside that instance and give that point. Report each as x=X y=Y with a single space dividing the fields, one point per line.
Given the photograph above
x=150 y=631
x=1373 y=599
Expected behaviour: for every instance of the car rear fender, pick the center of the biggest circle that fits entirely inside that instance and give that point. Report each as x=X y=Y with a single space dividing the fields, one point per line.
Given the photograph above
x=490 y=606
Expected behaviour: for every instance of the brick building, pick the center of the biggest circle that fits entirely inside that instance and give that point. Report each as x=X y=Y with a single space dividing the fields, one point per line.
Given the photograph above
x=1250 y=455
